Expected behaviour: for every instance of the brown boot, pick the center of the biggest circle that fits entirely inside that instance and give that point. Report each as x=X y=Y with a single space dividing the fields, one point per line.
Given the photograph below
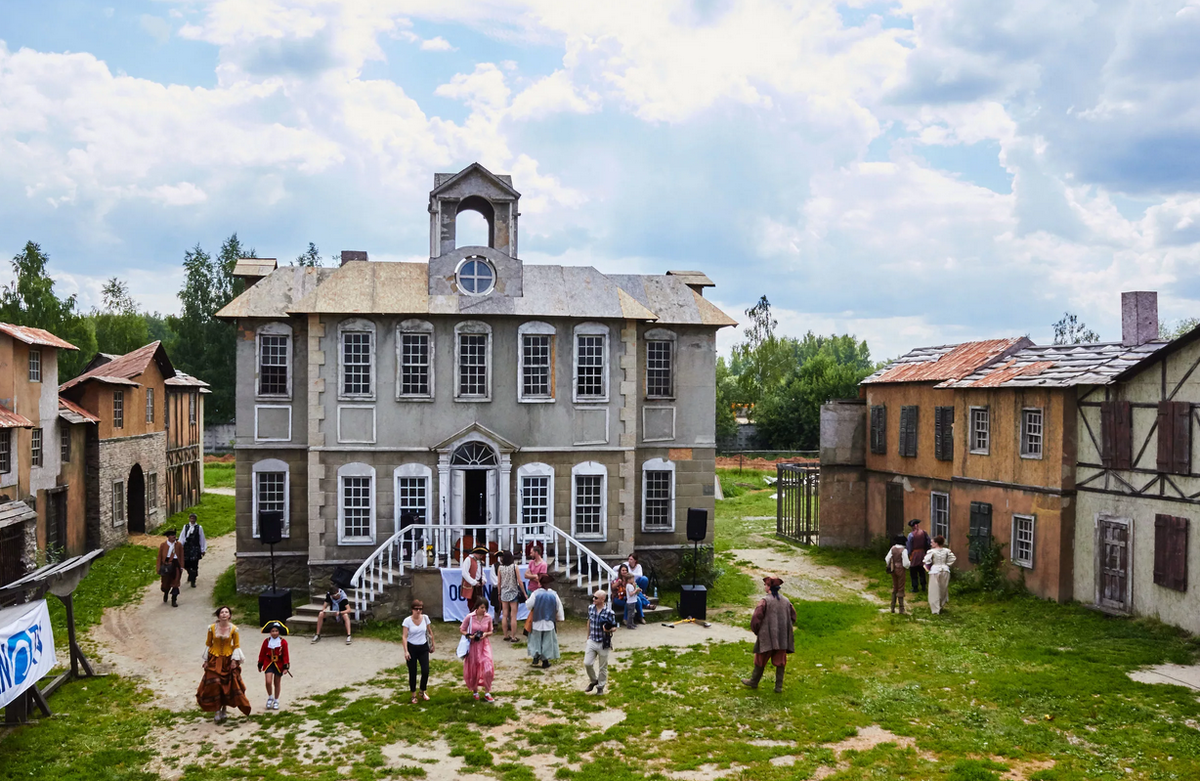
x=901 y=604
x=779 y=680
x=894 y=602
x=755 y=677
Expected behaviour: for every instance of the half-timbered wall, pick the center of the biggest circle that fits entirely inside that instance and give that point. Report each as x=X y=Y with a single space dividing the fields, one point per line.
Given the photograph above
x=1139 y=441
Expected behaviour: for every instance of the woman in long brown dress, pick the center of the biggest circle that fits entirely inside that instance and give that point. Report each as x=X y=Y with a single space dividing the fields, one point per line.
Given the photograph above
x=773 y=623
x=222 y=684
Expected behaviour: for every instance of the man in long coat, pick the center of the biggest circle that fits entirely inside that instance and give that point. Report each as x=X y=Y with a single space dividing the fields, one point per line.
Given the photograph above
x=170 y=567
x=773 y=623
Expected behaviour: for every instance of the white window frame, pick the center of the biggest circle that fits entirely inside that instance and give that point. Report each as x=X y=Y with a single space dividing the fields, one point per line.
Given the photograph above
x=37 y=448
x=64 y=443
x=475 y=328
x=1025 y=435
x=590 y=468
x=972 y=431
x=149 y=405
x=458 y=276
x=152 y=493
x=590 y=329
x=660 y=335
x=409 y=472
x=274 y=329
x=659 y=465
x=273 y=465
x=535 y=328
x=118 y=496
x=35 y=365
x=356 y=325
x=933 y=518
x=1026 y=562
x=425 y=328
x=536 y=469
x=355 y=470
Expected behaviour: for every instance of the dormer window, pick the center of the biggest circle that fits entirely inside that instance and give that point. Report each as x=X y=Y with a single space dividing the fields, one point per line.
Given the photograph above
x=476 y=277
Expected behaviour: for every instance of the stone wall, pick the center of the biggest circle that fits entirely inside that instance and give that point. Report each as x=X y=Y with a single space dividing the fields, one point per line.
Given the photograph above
x=842 y=507
x=117 y=458
x=254 y=572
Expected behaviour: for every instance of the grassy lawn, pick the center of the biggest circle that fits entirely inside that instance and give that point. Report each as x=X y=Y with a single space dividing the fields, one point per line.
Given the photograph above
x=218 y=474
x=992 y=686
x=214 y=513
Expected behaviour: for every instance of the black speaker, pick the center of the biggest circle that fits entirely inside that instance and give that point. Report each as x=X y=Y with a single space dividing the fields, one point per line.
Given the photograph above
x=274 y=605
x=693 y=602
x=270 y=526
x=342 y=576
x=697 y=528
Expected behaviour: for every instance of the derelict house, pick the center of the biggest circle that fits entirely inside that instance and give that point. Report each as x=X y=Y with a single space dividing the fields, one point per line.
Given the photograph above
x=525 y=401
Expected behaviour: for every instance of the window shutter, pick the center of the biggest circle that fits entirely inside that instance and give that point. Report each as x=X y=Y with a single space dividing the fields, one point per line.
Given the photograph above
x=1115 y=431
x=1107 y=426
x=903 y=444
x=1162 y=533
x=1166 y=437
x=879 y=429
x=913 y=413
x=1177 y=557
x=1183 y=437
x=943 y=433
x=980 y=531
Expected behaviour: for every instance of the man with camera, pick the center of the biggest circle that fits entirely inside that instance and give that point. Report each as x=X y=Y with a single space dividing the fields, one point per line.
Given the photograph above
x=602 y=622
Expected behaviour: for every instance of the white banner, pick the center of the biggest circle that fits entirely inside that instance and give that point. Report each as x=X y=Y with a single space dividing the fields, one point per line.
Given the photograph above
x=454 y=605
x=26 y=648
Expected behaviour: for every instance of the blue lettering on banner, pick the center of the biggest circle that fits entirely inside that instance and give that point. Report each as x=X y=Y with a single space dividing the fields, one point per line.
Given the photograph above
x=455 y=594
x=19 y=656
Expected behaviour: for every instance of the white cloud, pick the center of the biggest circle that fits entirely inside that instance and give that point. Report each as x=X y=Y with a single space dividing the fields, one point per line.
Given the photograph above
x=156 y=27
x=438 y=44
x=182 y=194
x=552 y=94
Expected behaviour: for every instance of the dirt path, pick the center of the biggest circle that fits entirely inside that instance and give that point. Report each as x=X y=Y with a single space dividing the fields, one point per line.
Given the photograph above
x=802 y=577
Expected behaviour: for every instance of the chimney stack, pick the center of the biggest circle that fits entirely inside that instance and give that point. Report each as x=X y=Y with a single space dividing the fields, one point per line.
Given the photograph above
x=1139 y=317
x=352 y=254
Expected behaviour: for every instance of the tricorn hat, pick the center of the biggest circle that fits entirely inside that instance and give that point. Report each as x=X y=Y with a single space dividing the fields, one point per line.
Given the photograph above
x=267 y=627
x=913 y=522
x=772 y=581
x=479 y=549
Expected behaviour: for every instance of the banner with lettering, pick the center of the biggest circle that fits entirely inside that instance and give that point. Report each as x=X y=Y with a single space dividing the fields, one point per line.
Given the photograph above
x=26 y=648
x=454 y=605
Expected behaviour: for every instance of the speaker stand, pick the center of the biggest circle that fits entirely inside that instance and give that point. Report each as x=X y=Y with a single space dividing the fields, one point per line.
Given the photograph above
x=273 y=589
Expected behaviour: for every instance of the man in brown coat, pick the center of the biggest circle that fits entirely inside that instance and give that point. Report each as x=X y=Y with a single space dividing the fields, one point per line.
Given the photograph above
x=773 y=623
x=170 y=567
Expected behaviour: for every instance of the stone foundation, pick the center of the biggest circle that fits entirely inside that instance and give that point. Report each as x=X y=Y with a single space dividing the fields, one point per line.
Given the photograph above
x=254 y=573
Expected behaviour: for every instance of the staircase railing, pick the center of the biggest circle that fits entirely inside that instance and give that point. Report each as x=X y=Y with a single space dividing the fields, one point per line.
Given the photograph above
x=437 y=545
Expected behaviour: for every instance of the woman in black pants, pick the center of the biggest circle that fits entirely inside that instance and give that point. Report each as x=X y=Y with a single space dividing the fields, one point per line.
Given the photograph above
x=418 y=645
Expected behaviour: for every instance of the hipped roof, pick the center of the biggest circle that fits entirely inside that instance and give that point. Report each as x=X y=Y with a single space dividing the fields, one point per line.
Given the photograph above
x=386 y=288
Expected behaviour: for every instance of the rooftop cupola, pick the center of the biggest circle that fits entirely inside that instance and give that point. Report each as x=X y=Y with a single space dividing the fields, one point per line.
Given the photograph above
x=473 y=189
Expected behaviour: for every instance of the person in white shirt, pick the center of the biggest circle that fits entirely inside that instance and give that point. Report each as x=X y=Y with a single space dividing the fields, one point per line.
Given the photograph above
x=194 y=548
x=472 y=574
x=938 y=562
x=337 y=604
x=418 y=645
x=897 y=564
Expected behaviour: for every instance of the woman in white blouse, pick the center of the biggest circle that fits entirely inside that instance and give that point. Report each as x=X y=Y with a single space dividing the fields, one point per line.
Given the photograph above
x=937 y=563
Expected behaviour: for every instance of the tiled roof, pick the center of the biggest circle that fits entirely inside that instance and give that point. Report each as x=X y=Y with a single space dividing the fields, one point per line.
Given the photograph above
x=121 y=370
x=73 y=413
x=30 y=335
x=1059 y=366
x=10 y=419
x=16 y=512
x=947 y=362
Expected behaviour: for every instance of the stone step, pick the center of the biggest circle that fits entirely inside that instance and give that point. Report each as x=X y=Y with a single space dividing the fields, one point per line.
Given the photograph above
x=302 y=624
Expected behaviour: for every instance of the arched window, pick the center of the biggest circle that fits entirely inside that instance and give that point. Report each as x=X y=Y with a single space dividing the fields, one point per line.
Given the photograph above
x=413 y=491
x=473 y=361
x=414 y=360
x=591 y=362
x=535 y=497
x=589 y=501
x=474 y=223
x=658 y=496
x=660 y=363
x=473 y=454
x=356 y=359
x=274 y=345
x=535 y=380
x=356 y=504
x=271 y=487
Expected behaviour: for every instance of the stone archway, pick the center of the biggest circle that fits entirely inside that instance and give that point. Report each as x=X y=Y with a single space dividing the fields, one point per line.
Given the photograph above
x=135 y=500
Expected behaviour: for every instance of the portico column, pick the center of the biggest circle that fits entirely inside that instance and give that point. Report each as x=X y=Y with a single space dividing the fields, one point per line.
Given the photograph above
x=443 y=537
x=503 y=489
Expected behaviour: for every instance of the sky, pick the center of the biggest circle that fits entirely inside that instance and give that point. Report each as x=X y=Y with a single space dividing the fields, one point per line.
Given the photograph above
x=910 y=172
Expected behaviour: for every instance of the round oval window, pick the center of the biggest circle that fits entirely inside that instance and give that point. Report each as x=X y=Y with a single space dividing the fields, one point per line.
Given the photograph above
x=476 y=276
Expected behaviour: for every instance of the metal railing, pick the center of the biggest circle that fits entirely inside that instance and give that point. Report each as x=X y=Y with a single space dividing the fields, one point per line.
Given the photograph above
x=797 y=512
x=437 y=545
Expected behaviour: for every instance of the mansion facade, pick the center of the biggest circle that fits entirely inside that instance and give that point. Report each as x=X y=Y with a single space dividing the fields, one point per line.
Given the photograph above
x=469 y=391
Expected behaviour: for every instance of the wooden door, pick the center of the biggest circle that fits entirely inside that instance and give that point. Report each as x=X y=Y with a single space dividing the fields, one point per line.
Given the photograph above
x=895 y=509
x=1112 y=564
x=979 y=535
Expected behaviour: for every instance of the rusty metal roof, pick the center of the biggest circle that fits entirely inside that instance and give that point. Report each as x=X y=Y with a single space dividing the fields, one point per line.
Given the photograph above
x=185 y=380
x=1060 y=366
x=122 y=370
x=947 y=362
x=10 y=419
x=30 y=335
x=73 y=413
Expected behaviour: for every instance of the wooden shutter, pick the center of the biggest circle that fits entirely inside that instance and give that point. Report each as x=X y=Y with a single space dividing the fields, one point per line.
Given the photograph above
x=980 y=532
x=1175 y=437
x=908 y=431
x=943 y=433
x=1170 y=552
x=879 y=429
x=1116 y=434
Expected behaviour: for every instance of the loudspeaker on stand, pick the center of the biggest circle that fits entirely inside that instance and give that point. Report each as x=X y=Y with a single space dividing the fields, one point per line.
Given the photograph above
x=697 y=524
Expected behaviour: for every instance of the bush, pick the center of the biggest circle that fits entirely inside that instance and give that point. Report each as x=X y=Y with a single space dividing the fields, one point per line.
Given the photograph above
x=989 y=576
x=702 y=562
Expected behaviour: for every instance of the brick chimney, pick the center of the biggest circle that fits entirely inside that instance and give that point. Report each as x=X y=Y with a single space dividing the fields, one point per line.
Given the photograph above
x=1139 y=317
x=352 y=254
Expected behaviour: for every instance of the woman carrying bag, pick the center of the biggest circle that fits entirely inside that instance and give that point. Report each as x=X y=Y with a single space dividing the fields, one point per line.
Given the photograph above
x=418 y=645
x=512 y=593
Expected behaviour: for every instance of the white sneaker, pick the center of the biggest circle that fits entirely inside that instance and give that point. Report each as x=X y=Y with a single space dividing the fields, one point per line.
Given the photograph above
x=270 y=703
x=347 y=639
x=316 y=638
x=276 y=704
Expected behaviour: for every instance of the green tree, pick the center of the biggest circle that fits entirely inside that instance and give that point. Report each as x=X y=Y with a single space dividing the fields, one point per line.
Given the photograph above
x=310 y=257
x=726 y=398
x=763 y=360
x=119 y=326
x=30 y=300
x=1177 y=329
x=1069 y=330
x=789 y=417
x=209 y=350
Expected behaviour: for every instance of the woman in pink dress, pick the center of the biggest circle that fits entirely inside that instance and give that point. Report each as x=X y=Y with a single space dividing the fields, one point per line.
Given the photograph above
x=478 y=669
